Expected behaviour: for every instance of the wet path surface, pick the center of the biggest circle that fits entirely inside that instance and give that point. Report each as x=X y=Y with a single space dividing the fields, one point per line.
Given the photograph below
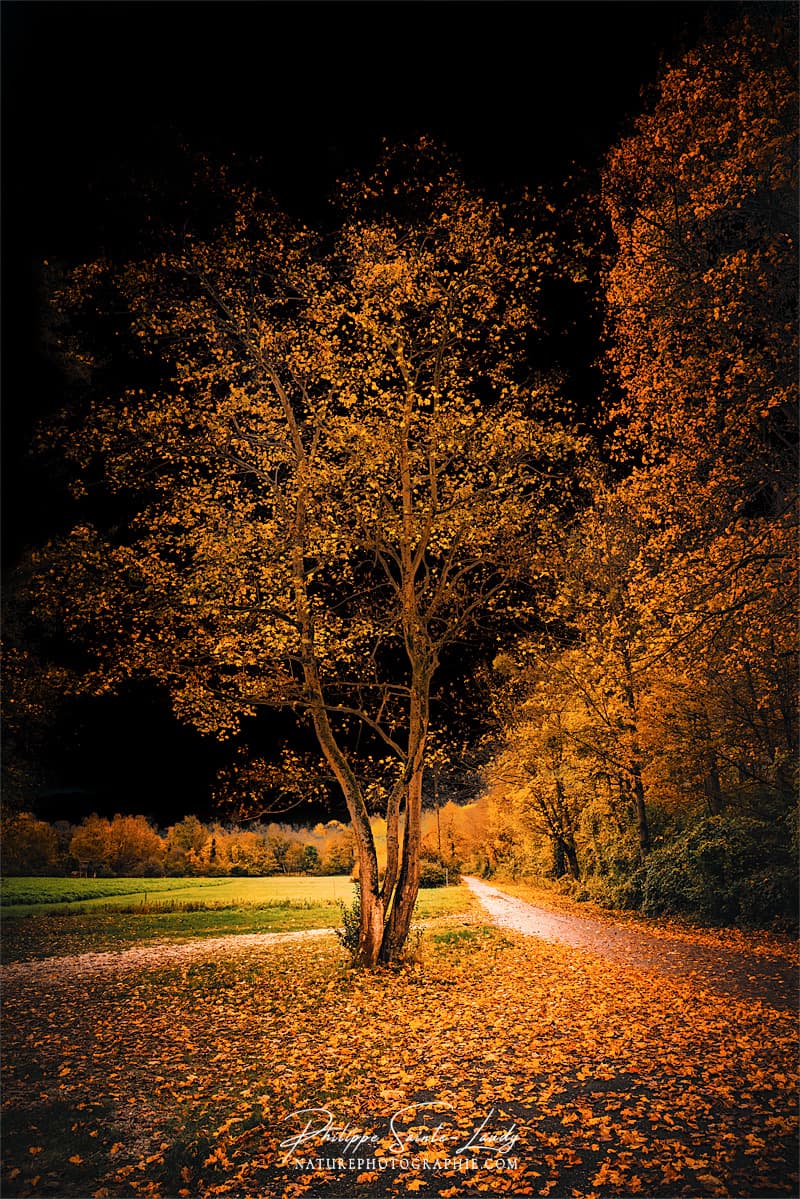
x=771 y=979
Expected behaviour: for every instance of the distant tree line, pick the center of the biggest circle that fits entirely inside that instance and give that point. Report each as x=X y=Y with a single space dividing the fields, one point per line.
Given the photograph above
x=129 y=846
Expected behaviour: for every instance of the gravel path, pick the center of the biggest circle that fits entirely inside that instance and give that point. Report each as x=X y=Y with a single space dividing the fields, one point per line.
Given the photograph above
x=773 y=981
x=153 y=954
x=158 y=953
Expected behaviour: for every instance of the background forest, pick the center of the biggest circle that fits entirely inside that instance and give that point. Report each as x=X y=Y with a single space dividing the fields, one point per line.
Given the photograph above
x=623 y=699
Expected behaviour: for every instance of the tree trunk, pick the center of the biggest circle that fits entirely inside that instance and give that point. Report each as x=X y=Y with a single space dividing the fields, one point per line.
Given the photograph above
x=373 y=926
x=712 y=786
x=635 y=767
x=571 y=855
x=405 y=896
x=642 y=826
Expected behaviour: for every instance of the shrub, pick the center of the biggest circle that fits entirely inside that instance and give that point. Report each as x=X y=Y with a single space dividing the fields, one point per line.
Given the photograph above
x=431 y=873
x=723 y=869
x=625 y=893
x=152 y=868
x=351 y=919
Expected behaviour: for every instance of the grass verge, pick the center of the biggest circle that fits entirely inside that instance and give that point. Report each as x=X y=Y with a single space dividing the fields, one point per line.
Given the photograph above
x=98 y=927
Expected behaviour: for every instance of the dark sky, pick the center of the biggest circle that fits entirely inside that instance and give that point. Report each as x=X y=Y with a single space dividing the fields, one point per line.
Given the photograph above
x=520 y=89
x=95 y=94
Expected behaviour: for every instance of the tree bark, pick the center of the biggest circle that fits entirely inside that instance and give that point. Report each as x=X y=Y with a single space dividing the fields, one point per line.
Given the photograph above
x=635 y=766
x=712 y=785
x=571 y=855
x=642 y=825
x=405 y=896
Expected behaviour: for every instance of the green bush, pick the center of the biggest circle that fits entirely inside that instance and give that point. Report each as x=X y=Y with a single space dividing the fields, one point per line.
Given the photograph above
x=723 y=870
x=434 y=874
x=351 y=919
x=626 y=893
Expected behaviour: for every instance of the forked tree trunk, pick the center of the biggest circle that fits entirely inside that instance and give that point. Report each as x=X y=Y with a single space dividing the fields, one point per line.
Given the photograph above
x=405 y=896
x=372 y=931
x=392 y=907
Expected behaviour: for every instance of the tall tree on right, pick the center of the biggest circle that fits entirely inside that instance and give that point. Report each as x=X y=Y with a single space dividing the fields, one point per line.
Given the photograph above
x=701 y=293
x=700 y=299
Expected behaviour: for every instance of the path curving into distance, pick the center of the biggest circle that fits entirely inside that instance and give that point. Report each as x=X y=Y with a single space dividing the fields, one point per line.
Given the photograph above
x=773 y=980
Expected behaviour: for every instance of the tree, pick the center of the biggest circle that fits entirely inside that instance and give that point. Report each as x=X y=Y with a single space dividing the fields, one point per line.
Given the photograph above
x=541 y=767
x=339 y=856
x=90 y=844
x=30 y=846
x=336 y=476
x=185 y=842
x=701 y=289
x=252 y=787
x=701 y=297
x=133 y=845
x=569 y=705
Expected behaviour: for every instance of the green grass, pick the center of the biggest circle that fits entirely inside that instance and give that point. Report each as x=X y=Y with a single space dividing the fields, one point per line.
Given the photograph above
x=34 y=891
x=223 y=908
x=34 y=896
x=433 y=902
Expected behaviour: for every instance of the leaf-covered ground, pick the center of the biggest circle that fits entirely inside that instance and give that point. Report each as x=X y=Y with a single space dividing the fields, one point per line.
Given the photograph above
x=751 y=963
x=548 y=1070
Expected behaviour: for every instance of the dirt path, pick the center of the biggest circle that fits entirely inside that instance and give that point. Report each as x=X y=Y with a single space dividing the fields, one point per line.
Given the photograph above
x=154 y=954
x=157 y=953
x=772 y=980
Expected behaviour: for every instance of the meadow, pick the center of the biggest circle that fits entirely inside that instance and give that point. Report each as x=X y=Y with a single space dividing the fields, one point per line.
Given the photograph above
x=22 y=896
x=50 y=917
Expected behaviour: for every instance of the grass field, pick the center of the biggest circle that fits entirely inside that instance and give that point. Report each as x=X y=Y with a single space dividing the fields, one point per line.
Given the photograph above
x=25 y=896
x=188 y=909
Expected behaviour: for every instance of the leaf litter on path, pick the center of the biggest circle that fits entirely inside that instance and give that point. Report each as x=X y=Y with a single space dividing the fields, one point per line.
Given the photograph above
x=722 y=963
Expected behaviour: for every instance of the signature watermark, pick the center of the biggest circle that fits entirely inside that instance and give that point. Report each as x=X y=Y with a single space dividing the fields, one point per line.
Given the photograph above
x=421 y=1136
